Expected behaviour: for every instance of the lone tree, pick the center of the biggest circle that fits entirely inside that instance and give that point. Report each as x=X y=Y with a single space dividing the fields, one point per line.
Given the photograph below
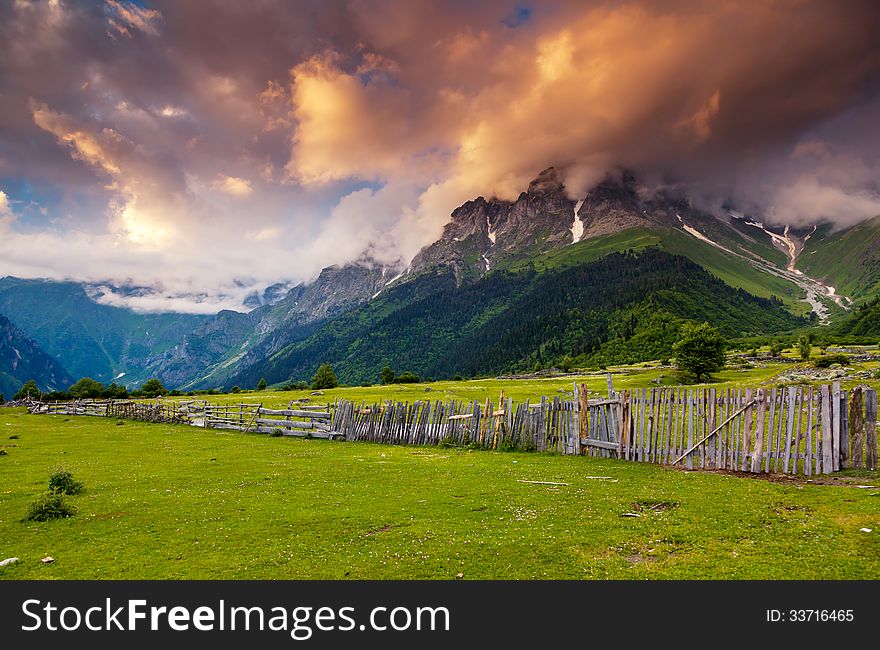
x=387 y=375
x=29 y=390
x=324 y=378
x=153 y=388
x=805 y=347
x=261 y=385
x=86 y=388
x=700 y=350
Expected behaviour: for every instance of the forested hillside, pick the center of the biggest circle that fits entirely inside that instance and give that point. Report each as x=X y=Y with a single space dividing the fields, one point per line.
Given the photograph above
x=624 y=307
x=864 y=324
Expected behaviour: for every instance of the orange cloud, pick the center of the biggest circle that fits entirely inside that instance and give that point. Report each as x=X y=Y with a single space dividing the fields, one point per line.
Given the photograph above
x=234 y=186
x=127 y=15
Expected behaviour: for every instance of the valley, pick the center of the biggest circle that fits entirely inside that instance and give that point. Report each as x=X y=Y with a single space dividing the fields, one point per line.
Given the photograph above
x=491 y=271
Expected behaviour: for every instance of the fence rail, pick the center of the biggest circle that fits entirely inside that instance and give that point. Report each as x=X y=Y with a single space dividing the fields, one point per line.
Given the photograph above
x=300 y=421
x=791 y=430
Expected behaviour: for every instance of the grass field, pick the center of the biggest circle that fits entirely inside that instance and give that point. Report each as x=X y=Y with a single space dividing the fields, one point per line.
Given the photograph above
x=166 y=501
x=643 y=376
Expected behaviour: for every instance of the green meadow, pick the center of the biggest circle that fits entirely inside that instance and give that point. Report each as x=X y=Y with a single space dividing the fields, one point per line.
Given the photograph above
x=164 y=501
x=645 y=375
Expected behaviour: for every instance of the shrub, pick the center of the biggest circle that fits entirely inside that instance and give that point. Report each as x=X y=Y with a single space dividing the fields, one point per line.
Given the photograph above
x=804 y=347
x=408 y=378
x=507 y=445
x=387 y=375
x=86 y=388
x=114 y=391
x=829 y=360
x=62 y=482
x=235 y=389
x=324 y=378
x=153 y=388
x=448 y=442
x=261 y=385
x=51 y=505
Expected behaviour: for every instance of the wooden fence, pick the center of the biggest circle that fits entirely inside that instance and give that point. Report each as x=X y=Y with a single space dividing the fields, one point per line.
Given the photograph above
x=127 y=409
x=304 y=420
x=791 y=430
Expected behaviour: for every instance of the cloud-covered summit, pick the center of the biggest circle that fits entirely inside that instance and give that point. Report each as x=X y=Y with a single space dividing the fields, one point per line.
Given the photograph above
x=207 y=148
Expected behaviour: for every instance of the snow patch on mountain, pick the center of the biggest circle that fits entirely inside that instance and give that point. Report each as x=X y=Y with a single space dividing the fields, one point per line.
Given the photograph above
x=696 y=233
x=577 y=228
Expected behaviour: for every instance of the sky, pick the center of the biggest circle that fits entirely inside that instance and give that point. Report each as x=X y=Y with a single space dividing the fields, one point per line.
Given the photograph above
x=208 y=148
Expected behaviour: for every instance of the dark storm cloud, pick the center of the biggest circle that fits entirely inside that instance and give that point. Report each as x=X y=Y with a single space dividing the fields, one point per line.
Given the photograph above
x=288 y=136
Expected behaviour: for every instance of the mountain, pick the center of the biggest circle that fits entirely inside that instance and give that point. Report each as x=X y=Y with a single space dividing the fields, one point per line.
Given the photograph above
x=485 y=235
x=619 y=308
x=491 y=251
x=215 y=349
x=21 y=359
x=847 y=259
x=90 y=339
x=111 y=343
x=863 y=325
x=482 y=233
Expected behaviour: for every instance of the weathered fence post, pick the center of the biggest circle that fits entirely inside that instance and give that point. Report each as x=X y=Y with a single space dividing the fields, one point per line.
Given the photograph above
x=827 y=444
x=759 y=433
x=870 y=428
x=835 y=425
x=857 y=424
x=747 y=431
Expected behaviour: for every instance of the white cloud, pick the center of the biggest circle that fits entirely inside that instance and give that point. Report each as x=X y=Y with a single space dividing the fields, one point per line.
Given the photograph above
x=6 y=215
x=808 y=200
x=234 y=186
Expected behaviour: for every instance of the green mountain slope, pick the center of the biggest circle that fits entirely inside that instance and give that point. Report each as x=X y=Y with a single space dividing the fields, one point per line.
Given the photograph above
x=733 y=270
x=621 y=307
x=22 y=359
x=863 y=325
x=847 y=259
x=89 y=339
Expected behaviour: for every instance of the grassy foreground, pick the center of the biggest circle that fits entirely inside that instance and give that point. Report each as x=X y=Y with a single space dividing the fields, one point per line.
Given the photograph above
x=179 y=502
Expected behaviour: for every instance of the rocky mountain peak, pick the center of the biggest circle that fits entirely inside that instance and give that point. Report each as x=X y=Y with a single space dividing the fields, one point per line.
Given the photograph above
x=548 y=181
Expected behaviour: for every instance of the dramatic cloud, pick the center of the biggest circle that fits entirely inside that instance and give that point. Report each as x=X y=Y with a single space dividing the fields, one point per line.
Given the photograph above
x=207 y=149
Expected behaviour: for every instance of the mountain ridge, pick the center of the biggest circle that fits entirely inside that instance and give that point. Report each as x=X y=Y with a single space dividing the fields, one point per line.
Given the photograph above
x=544 y=227
x=21 y=359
